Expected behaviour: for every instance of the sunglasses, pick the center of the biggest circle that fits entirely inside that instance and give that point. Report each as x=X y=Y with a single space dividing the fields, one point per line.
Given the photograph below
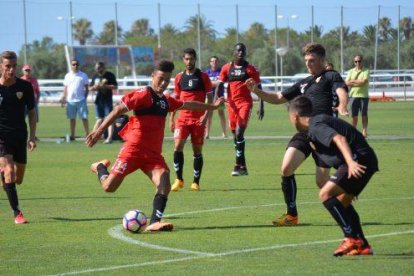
x=357 y=61
x=75 y=64
x=27 y=70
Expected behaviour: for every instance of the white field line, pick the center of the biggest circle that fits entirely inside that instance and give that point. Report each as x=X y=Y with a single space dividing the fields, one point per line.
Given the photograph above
x=248 y=250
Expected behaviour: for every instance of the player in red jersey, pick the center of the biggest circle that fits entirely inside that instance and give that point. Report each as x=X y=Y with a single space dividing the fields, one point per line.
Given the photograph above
x=143 y=137
x=190 y=85
x=239 y=101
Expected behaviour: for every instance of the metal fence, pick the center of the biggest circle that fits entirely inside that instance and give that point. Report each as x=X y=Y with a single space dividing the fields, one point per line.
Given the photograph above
x=30 y=20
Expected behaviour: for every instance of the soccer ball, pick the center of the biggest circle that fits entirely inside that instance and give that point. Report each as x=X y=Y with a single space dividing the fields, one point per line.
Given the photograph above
x=134 y=221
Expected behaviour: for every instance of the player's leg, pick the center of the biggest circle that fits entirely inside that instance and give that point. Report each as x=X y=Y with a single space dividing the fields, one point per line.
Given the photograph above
x=181 y=134
x=243 y=116
x=197 y=141
x=222 y=117
x=364 y=114
x=110 y=182
x=161 y=179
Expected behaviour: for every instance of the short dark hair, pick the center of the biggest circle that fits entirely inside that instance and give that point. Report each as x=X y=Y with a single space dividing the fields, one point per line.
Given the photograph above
x=240 y=44
x=100 y=64
x=164 y=66
x=190 y=51
x=216 y=57
x=8 y=55
x=360 y=56
x=314 y=48
x=302 y=105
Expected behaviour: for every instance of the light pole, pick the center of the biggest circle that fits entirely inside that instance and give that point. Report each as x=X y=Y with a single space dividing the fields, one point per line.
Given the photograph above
x=282 y=51
x=293 y=16
x=66 y=19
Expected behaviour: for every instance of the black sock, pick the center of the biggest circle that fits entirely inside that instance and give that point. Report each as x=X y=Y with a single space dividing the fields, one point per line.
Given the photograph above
x=355 y=223
x=102 y=171
x=179 y=164
x=11 y=191
x=198 y=167
x=159 y=203
x=240 y=158
x=289 y=192
x=337 y=211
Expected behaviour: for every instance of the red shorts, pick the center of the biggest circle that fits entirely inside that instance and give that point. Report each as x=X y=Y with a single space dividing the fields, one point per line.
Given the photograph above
x=131 y=159
x=239 y=115
x=184 y=128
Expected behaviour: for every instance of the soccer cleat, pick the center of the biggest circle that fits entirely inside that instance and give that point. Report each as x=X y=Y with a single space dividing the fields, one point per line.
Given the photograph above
x=195 y=187
x=239 y=171
x=94 y=166
x=178 y=184
x=286 y=220
x=159 y=226
x=361 y=250
x=19 y=219
x=347 y=245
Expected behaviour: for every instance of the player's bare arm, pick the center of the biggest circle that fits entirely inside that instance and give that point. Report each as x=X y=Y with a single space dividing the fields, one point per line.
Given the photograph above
x=192 y=105
x=31 y=145
x=94 y=136
x=354 y=169
x=272 y=98
x=203 y=119
x=172 y=121
x=343 y=101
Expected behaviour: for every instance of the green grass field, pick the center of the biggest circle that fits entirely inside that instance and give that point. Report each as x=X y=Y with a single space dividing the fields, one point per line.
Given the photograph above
x=225 y=229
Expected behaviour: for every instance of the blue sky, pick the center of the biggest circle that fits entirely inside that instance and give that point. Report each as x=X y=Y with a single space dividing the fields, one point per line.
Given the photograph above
x=42 y=15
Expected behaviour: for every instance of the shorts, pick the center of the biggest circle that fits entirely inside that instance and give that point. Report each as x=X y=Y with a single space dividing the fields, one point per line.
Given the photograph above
x=354 y=185
x=239 y=115
x=301 y=142
x=15 y=147
x=197 y=131
x=80 y=108
x=131 y=159
x=103 y=109
x=359 y=105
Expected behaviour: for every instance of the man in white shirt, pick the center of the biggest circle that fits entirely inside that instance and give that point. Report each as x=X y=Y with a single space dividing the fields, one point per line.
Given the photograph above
x=75 y=93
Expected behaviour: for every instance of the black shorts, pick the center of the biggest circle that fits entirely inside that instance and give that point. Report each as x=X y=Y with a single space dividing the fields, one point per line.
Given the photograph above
x=15 y=147
x=301 y=142
x=354 y=185
x=359 y=105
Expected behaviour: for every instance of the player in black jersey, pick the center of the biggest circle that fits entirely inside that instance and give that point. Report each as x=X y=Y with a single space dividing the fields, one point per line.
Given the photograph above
x=339 y=145
x=16 y=96
x=318 y=87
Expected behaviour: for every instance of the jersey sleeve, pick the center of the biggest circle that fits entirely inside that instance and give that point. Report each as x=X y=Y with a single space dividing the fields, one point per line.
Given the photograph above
x=208 y=86
x=177 y=88
x=337 y=81
x=66 y=80
x=137 y=100
x=253 y=73
x=292 y=92
x=366 y=75
x=321 y=132
x=29 y=95
x=174 y=104
x=224 y=73
x=112 y=79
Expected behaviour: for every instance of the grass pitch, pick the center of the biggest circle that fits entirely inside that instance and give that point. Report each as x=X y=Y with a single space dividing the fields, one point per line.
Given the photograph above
x=225 y=229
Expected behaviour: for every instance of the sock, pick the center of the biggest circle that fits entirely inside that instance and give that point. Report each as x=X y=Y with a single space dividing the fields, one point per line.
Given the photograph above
x=240 y=158
x=159 y=203
x=289 y=192
x=353 y=218
x=337 y=210
x=11 y=191
x=179 y=164
x=198 y=167
x=102 y=171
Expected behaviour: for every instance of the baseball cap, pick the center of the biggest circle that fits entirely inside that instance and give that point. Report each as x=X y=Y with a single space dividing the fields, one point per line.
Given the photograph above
x=26 y=67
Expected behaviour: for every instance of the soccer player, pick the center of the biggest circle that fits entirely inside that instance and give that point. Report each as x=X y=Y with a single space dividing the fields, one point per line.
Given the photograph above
x=143 y=136
x=318 y=87
x=16 y=96
x=214 y=72
x=190 y=85
x=339 y=145
x=239 y=101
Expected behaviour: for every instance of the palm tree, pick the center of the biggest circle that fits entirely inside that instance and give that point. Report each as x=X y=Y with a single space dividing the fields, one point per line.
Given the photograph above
x=384 y=28
x=317 y=31
x=206 y=26
x=407 y=27
x=83 y=30
x=107 y=36
x=141 y=27
x=369 y=33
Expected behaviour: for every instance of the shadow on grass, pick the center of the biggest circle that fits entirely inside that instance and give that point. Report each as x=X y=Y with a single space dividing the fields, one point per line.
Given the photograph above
x=84 y=219
x=232 y=227
x=69 y=197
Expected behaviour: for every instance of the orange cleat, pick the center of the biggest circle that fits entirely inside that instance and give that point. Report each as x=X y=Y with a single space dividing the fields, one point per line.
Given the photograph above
x=348 y=245
x=178 y=184
x=361 y=250
x=286 y=220
x=195 y=187
x=159 y=226
x=94 y=166
x=19 y=219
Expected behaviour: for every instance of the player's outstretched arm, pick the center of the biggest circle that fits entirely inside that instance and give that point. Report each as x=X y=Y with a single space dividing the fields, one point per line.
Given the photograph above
x=343 y=101
x=354 y=169
x=31 y=145
x=272 y=98
x=192 y=105
x=94 y=136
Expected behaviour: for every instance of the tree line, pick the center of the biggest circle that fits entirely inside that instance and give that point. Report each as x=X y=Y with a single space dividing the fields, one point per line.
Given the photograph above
x=48 y=59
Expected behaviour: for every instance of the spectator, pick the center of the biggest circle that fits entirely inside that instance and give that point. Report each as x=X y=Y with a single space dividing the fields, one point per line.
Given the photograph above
x=27 y=76
x=329 y=66
x=75 y=93
x=103 y=82
x=357 y=80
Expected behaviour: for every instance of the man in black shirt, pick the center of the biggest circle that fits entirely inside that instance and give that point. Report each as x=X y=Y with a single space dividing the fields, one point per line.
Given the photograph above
x=318 y=87
x=103 y=82
x=339 y=145
x=16 y=96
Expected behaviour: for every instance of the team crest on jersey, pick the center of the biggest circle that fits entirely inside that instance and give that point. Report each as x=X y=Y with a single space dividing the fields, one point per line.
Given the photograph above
x=302 y=87
x=19 y=95
x=312 y=145
x=162 y=104
x=120 y=166
x=318 y=79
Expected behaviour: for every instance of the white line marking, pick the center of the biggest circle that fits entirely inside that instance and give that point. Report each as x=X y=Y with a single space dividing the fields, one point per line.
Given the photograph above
x=248 y=250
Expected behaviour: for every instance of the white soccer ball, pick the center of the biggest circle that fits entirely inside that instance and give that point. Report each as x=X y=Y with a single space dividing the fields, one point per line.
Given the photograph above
x=134 y=221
